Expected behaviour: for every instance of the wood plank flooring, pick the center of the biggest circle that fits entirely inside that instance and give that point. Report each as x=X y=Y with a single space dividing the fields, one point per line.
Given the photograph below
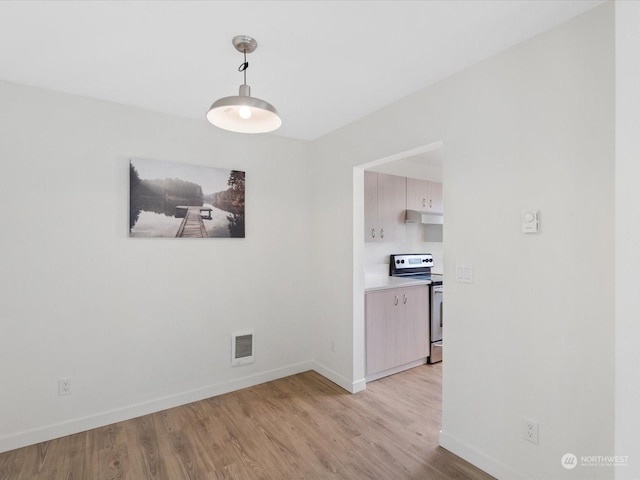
x=299 y=427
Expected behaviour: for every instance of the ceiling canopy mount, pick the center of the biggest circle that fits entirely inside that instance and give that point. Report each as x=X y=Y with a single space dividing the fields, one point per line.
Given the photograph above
x=245 y=43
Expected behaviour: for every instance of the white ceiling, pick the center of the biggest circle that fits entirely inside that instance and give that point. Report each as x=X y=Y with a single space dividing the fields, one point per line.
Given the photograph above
x=323 y=64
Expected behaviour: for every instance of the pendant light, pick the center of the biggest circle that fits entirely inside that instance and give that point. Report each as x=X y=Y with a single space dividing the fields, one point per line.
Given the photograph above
x=244 y=113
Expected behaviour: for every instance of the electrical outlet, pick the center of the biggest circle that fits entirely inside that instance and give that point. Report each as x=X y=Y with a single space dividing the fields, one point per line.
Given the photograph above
x=530 y=430
x=64 y=386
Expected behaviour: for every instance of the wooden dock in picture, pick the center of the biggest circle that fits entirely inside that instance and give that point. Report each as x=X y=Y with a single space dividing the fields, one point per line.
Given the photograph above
x=192 y=225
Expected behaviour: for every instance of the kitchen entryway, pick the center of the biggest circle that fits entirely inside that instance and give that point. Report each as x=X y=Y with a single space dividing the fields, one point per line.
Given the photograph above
x=402 y=218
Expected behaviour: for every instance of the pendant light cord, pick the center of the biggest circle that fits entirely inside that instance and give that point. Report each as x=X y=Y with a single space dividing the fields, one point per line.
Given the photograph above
x=243 y=67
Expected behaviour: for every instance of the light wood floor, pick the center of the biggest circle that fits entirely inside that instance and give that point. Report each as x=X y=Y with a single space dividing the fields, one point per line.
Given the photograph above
x=299 y=427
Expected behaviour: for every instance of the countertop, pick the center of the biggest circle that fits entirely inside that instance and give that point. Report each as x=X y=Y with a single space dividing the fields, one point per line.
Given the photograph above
x=383 y=282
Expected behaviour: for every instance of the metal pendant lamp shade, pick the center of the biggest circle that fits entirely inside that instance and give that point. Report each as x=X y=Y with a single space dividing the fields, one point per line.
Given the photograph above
x=244 y=113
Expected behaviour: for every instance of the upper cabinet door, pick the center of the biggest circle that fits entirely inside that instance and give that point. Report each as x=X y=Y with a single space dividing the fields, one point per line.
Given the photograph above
x=424 y=196
x=371 y=224
x=435 y=197
x=417 y=194
x=392 y=203
x=385 y=203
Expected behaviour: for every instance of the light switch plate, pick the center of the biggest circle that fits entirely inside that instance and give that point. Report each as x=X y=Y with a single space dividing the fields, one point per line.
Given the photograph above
x=464 y=273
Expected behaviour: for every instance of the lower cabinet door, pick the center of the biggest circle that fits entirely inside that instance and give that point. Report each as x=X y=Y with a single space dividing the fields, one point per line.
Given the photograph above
x=413 y=333
x=397 y=327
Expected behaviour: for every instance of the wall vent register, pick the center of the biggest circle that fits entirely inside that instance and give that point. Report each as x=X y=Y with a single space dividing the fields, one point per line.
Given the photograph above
x=242 y=347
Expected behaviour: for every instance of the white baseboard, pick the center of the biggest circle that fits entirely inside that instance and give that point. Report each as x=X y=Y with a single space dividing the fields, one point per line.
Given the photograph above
x=392 y=371
x=76 y=425
x=350 y=386
x=478 y=458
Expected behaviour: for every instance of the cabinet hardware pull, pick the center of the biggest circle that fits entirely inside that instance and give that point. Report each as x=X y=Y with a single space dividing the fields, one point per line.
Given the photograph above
x=430 y=203
x=424 y=202
x=382 y=233
x=404 y=299
x=373 y=233
x=396 y=300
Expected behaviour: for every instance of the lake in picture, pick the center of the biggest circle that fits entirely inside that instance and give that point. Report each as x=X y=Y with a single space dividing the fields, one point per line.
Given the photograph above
x=169 y=199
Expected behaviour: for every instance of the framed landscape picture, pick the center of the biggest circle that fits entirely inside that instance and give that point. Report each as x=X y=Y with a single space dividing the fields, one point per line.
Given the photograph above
x=170 y=199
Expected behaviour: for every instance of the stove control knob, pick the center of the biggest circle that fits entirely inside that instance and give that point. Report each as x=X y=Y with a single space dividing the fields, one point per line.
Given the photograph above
x=401 y=261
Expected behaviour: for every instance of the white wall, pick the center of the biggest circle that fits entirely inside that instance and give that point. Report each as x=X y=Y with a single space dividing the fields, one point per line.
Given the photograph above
x=627 y=238
x=532 y=127
x=411 y=169
x=139 y=324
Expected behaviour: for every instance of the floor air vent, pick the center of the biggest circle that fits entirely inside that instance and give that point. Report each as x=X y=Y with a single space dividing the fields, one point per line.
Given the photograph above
x=242 y=347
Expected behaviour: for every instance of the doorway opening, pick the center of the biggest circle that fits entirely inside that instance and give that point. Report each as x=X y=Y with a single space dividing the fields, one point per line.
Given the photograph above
x=371 y=258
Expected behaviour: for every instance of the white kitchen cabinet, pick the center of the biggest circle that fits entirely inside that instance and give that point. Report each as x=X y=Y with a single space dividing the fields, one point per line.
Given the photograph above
x=397 y=329
x=424 y=196
x=384 y=207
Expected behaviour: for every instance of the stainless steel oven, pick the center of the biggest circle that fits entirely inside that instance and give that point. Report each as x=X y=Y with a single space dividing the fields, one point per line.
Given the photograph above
x=437 y=292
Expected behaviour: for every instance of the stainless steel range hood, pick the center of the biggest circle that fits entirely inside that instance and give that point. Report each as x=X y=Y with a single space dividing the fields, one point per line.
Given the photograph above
x=427 y=218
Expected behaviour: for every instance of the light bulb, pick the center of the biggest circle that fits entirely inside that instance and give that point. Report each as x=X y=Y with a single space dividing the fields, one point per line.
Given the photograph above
x=244 y=112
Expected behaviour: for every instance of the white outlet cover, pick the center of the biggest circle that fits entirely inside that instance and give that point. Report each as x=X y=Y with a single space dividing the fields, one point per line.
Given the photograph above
x=530 y=430
x=64 y=386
